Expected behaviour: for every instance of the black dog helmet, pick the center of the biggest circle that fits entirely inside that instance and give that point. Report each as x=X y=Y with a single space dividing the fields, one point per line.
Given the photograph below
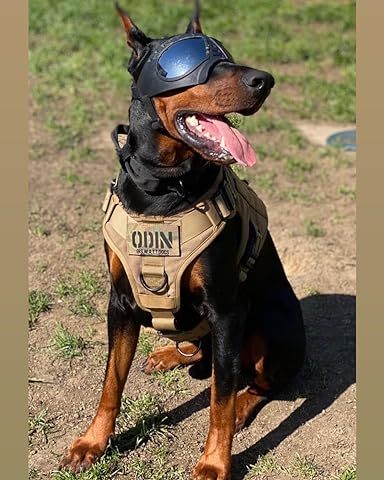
x=178 y=62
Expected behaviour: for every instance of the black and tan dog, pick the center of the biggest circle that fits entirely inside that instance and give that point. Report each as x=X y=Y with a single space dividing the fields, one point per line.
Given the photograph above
x=231 y=298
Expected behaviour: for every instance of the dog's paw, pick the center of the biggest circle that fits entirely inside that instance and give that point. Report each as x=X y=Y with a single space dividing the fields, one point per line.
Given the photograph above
x=161 y=360
x=81 y=456
x=206 y=470
x=166 y=358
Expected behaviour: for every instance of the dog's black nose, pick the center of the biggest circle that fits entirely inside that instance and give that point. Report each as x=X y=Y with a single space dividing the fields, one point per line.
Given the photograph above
x=258 y=79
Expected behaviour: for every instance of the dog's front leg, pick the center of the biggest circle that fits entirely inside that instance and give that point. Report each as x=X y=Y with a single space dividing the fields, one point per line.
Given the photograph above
x=123 y=334
x=215 y=463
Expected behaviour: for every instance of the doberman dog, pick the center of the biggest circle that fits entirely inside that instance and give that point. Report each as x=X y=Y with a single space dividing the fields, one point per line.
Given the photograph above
x=178 y=142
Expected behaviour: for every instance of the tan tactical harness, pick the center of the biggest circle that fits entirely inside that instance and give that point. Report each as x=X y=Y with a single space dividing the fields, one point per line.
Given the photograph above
x=156 y=250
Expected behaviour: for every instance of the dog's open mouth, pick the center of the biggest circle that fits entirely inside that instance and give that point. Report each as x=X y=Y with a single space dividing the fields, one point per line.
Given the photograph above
x=215 y=138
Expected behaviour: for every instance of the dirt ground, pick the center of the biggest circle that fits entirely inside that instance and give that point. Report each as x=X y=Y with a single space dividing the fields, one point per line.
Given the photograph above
x=314 y=419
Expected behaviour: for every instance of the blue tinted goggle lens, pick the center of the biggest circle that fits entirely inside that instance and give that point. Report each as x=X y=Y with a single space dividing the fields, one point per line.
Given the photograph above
x=183 y=57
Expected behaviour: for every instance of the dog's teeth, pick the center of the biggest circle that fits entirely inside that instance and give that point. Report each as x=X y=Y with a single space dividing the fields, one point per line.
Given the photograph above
x=198 y=127
x=192 y=120
x=222 y=142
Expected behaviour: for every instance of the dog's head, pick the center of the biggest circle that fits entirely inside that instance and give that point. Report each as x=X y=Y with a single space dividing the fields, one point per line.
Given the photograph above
x=187 y=83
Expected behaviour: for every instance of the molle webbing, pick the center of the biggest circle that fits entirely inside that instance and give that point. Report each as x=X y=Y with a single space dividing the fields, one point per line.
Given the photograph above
x=156 y=250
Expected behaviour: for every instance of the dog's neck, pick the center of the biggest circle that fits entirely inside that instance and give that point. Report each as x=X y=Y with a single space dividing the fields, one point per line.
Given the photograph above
x=161 y=176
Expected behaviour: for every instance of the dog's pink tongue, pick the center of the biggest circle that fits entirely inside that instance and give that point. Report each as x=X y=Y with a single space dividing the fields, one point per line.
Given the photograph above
x=237 y=145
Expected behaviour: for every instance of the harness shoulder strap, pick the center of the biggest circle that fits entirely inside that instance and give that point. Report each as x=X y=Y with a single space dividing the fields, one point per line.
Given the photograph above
x=254 y=220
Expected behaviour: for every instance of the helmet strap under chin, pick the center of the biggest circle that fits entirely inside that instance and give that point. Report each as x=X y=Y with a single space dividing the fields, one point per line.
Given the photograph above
x=148 y=106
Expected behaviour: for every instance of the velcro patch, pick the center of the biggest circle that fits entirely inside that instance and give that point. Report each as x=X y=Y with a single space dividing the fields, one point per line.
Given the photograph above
x=153 y=239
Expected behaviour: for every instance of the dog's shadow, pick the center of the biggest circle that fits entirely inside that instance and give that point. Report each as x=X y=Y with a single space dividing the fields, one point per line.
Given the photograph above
x=328 y=371
x=330 y=368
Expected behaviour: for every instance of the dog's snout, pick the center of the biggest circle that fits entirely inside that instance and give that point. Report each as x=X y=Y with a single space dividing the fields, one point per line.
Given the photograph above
x=258 y=80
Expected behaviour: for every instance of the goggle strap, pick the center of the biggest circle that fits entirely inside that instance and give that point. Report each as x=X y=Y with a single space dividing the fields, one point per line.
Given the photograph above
x=148 y=106
x=122 y=152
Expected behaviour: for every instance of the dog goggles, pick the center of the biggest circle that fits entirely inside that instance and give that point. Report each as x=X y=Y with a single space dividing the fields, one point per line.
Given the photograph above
x=181 y=61
x=184 y=56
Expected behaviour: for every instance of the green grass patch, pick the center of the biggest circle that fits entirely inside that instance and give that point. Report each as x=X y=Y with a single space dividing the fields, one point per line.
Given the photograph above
x=69 y=176
x=142 y=419
x=311 y=291
x=81 y=153
x=266 y=122
x=83 y=251
x=145 y=344
x=107 y=468
x=312 y=229
x=42 y=268
x=296 y=196
x=265 y=464
x=39 y=425
x=159 y=467
x=318 y=99
x=265 y=181
x=348 y=474
x=41 y=230
x=172 y=381
x=38 y=303
x=347 y=192
x=89 y=40
x=298 y=167
x=66 y=344
x=79 y=294
x=305 y=467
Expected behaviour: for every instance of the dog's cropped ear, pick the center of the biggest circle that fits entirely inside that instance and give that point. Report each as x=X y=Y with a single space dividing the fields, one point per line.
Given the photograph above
x=136 y=39
x=194 y=25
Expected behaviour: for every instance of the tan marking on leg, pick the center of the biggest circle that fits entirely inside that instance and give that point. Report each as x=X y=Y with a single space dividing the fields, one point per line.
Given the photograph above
x=246 y=403
x=89 y=447
x=215 y=463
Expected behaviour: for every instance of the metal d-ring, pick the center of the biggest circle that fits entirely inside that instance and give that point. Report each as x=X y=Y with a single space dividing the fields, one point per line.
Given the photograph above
x=188 y=354
x=155 y=289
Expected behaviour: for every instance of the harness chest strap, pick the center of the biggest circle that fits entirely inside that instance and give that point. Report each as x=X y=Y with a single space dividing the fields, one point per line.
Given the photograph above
x=155 y=276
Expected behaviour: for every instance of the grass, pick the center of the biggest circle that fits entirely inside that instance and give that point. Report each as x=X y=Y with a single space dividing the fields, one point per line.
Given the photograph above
x=41 y=231
x=172 y=381
x=312 y=229
x=83 y=251
x=39 y=425
x=38 y=303
x=66 y=344
x=142 y=419
x=348 y=192
x=310 y=51
x=145 y=344
x=348 y=474
x=311 y=291
x=305 y=467
x=302 y=467
x=298 y=167
x=88 y=38
x=265 y=464
x=69 y=176
x=107 y=468
x=157 y=468
x=79 y=294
